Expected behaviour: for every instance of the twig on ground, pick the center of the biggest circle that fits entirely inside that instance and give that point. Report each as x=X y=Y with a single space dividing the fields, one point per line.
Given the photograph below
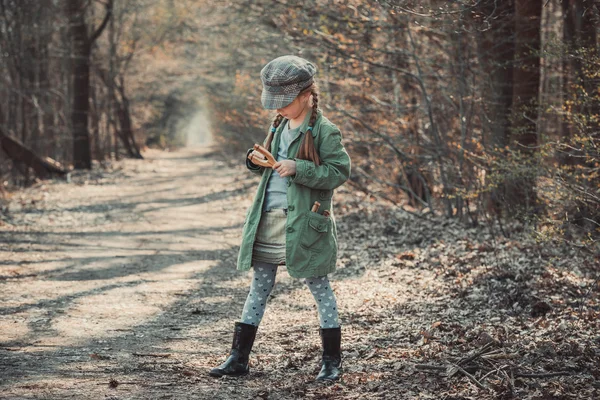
x=543 y=375
x=471 y=377
x=497 y=370
x=452 y=370
x=163 y=355
x=498 y=356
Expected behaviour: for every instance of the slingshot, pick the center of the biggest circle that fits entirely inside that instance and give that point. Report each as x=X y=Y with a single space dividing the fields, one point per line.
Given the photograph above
x=268 y=161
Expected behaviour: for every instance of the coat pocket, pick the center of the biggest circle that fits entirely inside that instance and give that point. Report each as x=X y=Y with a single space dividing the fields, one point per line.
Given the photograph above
x=316 y=228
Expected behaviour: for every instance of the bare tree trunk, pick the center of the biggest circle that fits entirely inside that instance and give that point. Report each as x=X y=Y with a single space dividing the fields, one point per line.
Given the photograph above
x=121 y=104
x=81 y=84
x=567 y=72
x=47 y=106
x=410 y=175
x=95 y=124
x=496 y=48
x=127 y=129
x=495 y=52
x=526 y=75
x=109 y=82
x=586 y=22
x=82 y=47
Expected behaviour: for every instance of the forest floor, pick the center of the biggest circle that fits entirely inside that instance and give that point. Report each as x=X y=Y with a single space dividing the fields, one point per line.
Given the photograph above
x=122 y=285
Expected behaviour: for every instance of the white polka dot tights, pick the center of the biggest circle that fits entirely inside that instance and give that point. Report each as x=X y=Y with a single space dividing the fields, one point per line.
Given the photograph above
x=263 y=282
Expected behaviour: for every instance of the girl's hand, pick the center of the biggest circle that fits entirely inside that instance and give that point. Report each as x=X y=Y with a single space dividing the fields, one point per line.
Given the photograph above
x=256 y=154
x=285 y=168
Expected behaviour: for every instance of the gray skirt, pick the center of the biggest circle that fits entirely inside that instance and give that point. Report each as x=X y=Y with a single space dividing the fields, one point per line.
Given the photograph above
x=269 y=244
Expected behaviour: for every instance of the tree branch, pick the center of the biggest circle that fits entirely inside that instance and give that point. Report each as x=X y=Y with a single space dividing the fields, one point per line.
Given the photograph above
x=98 y=32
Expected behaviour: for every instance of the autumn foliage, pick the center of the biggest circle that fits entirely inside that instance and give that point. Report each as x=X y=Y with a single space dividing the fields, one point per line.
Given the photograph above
x=483 y=111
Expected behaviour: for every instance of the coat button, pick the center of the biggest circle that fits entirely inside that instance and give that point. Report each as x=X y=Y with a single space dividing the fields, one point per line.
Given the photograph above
x=320 y=227
x=290 y=229
x=291 y=208
x=289 y=183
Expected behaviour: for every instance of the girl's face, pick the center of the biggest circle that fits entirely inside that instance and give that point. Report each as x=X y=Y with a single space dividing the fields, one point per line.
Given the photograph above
x=297 y=107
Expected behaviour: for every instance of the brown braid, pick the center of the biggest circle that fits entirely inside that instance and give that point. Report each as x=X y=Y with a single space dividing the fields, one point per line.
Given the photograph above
x=276 y=122
x=307 y=149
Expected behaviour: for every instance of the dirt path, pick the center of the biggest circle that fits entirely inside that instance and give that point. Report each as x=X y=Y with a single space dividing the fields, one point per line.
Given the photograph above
x=130 y=262
x=129 y=276
x=122 y=285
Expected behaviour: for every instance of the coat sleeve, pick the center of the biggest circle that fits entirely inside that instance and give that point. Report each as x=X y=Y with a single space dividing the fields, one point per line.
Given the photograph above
x=334 y=169
x=257 y=169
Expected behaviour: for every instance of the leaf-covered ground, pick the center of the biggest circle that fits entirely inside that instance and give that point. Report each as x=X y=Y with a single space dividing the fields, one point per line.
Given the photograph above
x=122 y=285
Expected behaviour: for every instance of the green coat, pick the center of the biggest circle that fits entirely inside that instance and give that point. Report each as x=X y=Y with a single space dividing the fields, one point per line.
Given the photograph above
x=311 y=238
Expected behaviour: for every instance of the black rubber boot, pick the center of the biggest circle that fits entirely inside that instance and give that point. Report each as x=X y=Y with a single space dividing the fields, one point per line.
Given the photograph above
x=237 y=362
x=332 y=355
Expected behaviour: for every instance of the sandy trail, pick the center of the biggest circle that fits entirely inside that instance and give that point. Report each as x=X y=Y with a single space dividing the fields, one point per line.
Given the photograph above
x=139 y=261
x=129 y=277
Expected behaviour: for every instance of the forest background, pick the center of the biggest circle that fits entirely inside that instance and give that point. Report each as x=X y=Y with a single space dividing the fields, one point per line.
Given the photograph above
x=479 y=110
x=483 y=114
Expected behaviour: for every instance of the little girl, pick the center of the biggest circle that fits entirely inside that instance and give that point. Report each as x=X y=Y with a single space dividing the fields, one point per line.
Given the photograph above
x=281 y=226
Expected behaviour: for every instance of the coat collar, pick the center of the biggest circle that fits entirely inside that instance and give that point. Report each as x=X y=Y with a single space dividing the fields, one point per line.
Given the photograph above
x=304 y=125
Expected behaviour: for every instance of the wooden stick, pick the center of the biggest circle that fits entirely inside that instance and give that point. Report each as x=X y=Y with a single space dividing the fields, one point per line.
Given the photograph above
x=315 y=207
x=511 y=381
x=471 y=377
x=546 y=375
x=452 y=370
x=497 y=356
x=160 y=355
x=476 y=354
x=497 y=370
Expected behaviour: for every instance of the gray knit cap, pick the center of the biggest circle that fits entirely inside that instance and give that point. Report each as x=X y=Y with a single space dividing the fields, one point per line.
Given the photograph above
x=283 y=79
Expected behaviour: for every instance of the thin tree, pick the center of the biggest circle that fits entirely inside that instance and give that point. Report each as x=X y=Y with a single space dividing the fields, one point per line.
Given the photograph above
x=82 y=49
x=526 y=78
